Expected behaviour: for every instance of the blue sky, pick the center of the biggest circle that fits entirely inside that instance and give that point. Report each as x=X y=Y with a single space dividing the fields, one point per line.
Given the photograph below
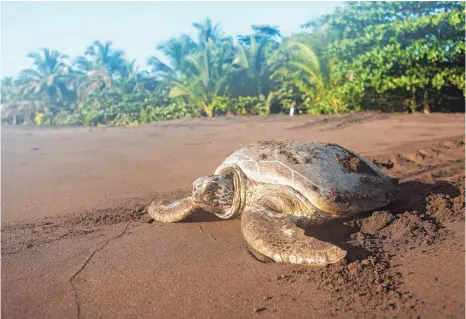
x=135 y=27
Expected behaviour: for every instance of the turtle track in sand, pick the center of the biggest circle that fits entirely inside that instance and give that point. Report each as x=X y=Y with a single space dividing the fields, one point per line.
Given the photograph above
x=329 y=123
x=18 y=236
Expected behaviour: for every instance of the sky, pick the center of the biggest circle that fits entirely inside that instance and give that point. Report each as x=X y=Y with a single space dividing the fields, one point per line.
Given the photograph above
x=134 y=27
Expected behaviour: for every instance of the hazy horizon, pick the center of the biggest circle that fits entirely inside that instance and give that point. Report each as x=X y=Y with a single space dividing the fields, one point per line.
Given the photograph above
x=134 y=27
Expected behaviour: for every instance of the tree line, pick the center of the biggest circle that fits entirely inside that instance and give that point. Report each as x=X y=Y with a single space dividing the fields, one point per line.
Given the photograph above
x=388 y=56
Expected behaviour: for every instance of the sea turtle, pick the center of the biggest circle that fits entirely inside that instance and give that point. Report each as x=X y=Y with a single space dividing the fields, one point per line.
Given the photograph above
x=278 y=186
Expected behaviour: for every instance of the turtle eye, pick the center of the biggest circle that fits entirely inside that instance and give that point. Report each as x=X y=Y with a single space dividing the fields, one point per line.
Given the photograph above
x=196 y=185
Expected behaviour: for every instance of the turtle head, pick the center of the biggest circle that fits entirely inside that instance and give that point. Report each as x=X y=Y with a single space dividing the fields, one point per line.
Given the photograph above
x=213 y=193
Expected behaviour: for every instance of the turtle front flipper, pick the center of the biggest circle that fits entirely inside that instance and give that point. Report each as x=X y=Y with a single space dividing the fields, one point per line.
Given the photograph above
x=277 y=237
x=172 y=213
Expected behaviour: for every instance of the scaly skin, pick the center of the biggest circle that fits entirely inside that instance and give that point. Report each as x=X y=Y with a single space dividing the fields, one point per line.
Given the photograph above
x=275 y=236
x=269 y=225
x=172 y=213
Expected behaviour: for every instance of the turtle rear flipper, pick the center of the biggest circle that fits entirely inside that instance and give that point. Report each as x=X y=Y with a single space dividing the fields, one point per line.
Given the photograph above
x=258 y=256
x=274 y=235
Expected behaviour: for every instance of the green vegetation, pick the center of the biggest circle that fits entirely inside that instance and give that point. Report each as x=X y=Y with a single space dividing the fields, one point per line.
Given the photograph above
x=388 y=56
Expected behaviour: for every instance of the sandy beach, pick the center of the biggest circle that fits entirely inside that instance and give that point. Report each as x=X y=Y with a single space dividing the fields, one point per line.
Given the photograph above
x=78 y=243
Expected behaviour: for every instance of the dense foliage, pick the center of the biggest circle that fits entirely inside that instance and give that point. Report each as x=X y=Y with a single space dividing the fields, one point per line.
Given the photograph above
x=389 y=56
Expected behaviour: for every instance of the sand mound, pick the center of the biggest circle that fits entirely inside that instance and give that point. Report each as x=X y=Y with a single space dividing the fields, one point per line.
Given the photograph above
x=367 y=281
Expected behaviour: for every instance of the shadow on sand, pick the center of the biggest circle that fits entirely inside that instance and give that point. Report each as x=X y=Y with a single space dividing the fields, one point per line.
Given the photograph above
x=411 y=197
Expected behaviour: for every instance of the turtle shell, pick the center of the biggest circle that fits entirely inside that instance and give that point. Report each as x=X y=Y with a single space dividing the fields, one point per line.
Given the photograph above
x=334 y=179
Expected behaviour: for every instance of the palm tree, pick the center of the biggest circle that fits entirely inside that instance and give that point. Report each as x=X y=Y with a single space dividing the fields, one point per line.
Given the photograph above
x=134 y=81
x=207 y=79
x=196 y=72
x=9 y=91
x=313 y=75
x=48 y=81
x=252 y=74
x=262 y=33
x=207 y=31
x=97 y=69
x=176 y=50
x=101 y=55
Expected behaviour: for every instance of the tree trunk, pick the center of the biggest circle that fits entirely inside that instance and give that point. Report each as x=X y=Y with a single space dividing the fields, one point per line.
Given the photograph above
x=426 y=102
x=413 y=105
x=52 y=109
